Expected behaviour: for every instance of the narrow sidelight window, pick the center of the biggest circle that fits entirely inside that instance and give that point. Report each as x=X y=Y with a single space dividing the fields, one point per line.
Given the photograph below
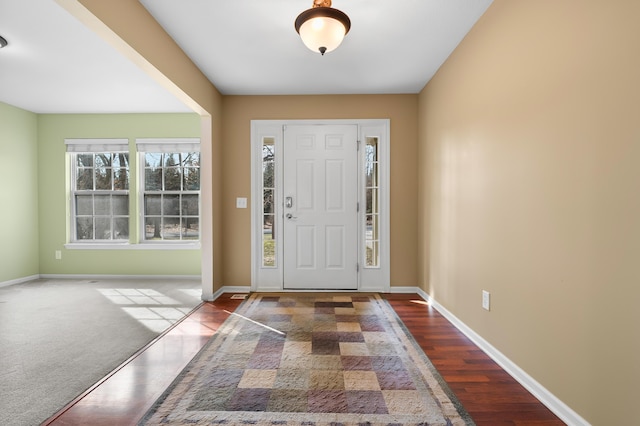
x=268 y=203
x=372 y=207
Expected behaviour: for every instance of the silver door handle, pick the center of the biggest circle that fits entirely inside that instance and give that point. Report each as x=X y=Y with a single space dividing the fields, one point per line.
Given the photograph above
x=290 y=216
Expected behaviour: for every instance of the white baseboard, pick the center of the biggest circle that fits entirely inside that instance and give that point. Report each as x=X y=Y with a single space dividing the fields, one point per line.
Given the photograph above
x=554 y=404
x=403 y=290
x=19 y=280
x=209 y=297
x=226 y=289
x=117 y=277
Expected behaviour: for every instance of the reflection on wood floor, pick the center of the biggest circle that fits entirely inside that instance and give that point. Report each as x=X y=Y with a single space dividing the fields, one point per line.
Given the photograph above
x=488 y=393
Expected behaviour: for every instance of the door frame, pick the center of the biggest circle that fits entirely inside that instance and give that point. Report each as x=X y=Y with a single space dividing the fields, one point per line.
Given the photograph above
x=271 y=278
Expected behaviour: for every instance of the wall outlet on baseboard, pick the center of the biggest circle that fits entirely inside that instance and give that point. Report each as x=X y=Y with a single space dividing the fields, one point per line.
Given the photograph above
x=58 y=254
x=486 y=300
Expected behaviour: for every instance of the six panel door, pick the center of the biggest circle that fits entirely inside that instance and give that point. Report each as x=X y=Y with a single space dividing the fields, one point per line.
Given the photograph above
x=320 y=207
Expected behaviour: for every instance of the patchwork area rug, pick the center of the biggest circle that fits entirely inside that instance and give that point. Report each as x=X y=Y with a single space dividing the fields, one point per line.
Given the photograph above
x=312 y=360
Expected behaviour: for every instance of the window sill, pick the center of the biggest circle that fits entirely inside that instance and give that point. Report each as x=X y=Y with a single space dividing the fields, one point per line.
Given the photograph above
x=128 y=246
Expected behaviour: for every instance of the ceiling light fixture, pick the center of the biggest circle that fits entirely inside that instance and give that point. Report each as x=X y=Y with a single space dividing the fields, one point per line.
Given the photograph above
x=322 y=28
x=3 y=42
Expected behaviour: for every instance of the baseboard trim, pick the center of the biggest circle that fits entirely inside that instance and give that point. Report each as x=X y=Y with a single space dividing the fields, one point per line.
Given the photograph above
x=226 y=289
x=117 y=277
x=552 y=402
x=403 y=290
x=19 y=280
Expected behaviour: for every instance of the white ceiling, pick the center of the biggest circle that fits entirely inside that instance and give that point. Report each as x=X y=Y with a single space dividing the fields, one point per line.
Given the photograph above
x=53 y=64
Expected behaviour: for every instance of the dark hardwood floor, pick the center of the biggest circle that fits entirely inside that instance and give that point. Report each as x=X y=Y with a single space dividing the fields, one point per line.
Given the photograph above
x=489 y=394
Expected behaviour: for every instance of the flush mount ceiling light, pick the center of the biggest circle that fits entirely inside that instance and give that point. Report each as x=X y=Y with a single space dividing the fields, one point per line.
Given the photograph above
x=3 y=42
x=322 y=28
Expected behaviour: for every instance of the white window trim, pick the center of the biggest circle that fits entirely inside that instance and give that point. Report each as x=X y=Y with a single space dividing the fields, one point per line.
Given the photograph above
x=376 y=278
x=92 y=145
x=129 y=246
x=164 y=145
x=370 y=279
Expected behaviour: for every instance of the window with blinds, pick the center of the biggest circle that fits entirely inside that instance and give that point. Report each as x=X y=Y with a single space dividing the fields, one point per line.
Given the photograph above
x=99 y=189
x=170 y=189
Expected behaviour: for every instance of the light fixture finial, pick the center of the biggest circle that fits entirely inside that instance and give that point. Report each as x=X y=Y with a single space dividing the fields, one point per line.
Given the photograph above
x=322 y=28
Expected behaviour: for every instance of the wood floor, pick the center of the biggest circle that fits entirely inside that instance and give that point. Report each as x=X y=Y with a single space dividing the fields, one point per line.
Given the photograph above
x=488 y=393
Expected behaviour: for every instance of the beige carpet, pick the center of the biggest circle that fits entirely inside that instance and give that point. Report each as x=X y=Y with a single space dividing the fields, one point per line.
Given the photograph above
x=309 y=359
x=60 y=336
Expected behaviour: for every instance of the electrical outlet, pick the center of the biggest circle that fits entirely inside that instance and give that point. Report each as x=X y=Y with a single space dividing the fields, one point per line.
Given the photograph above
x=486 y=299
x=58 y=255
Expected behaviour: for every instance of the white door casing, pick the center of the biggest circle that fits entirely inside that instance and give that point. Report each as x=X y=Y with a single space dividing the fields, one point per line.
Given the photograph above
x=320 y=207
x=269 y=224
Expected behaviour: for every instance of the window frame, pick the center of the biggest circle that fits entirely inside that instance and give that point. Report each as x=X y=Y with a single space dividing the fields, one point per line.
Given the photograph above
x=272 y=213
x=165 y=146
x=372 y=207
x=76 y=147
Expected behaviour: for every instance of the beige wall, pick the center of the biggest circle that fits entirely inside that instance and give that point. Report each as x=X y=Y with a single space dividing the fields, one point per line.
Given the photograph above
x=238 y=111
x=530 y=138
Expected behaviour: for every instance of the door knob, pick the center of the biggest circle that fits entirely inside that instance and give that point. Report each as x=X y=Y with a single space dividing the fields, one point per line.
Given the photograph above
x=290 y=216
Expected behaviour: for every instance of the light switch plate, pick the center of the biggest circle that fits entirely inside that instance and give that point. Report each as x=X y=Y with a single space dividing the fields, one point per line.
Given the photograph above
x=241 y=203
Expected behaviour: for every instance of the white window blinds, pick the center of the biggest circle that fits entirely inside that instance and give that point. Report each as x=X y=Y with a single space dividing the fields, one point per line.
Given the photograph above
x=168 y=145
x=97 y=145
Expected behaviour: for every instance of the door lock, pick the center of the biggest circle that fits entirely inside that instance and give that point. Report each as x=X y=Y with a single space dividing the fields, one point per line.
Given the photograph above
x=288 y=202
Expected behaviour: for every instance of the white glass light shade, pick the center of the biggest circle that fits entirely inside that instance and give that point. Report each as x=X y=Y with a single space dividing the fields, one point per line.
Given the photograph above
x=322 y=29
x=322 y=32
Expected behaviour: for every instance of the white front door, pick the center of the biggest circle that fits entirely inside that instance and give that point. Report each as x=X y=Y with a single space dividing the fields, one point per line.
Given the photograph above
x=320 y=190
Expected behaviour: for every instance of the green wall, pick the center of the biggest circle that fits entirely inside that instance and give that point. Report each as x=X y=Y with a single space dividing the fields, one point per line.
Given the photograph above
x=19 y=193
x=53 y=129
